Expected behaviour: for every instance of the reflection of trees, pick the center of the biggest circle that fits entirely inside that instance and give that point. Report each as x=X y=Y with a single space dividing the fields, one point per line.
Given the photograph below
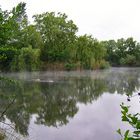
x=58 y=105
x=123 y=82
x=88 y=90
x=55 y=103
x=10 y=89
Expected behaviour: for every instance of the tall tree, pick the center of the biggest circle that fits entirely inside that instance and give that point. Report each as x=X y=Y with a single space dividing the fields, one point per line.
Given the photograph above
x=89 y=51
x=58 y=34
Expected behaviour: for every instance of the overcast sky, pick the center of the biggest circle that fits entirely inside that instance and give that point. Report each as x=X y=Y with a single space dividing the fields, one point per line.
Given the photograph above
x=104 y=19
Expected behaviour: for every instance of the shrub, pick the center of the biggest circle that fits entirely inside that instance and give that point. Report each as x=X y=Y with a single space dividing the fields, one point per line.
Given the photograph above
x=104 y=64
x=28 y=59
x=70 y=66
x=7 y=54
x=128 y=60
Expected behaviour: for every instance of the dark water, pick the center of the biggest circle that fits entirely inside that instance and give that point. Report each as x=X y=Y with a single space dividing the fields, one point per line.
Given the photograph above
x=67 y=105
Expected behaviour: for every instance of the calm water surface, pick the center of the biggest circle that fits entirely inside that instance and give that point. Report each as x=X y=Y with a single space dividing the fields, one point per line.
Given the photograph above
x=67 y=105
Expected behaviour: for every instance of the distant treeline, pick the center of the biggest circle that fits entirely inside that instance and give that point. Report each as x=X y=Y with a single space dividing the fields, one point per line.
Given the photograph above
x=51 y=42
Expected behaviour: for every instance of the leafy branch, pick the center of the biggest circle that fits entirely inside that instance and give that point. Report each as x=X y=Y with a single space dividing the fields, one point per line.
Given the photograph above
x=133 y=120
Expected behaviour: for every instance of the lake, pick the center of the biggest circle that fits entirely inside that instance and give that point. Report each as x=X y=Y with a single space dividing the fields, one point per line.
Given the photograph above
x=61 y=105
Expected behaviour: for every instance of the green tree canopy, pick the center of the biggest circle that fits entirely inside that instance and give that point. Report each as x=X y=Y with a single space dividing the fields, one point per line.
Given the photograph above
x=58 y=34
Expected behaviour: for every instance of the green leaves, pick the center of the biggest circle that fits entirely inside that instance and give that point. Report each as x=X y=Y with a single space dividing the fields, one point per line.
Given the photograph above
x=55 y=35
x=58 y=34
x=133 y=120
x=6 y=56
x=27 y=59
x=119 y=132
x=90 y=52
x=123 y=52
x=15 y=36
x=126 y=135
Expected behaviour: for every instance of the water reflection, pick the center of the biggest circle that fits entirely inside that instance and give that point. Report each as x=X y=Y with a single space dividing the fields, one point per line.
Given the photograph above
x=54 y=103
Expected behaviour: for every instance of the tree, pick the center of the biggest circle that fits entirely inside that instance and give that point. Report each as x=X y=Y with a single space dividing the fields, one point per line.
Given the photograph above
x=27 y=59
x=123 y=52
x=5 y=27
x=15 y=36
x=111 y=55
x=12 y=23
x=31 y=38
x=58 y=34
x=89 y=52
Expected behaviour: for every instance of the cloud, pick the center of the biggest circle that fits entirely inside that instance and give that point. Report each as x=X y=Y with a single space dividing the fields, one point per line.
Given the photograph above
x=104 y=19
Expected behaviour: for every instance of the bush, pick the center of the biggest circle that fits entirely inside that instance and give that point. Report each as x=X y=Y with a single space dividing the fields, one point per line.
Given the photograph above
x=104 y=64
x=128 y=60
x=70 y=66
x=6 y=57
x=28 y=59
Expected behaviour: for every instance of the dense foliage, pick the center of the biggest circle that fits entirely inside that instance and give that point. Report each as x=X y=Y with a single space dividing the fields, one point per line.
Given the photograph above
x=52 y=39
x=123 y=52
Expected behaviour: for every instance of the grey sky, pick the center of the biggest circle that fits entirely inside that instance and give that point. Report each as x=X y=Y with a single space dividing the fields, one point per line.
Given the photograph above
x=104 y=19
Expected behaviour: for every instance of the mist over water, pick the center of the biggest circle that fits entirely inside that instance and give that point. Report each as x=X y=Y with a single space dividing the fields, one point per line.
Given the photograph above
x=73 y=105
